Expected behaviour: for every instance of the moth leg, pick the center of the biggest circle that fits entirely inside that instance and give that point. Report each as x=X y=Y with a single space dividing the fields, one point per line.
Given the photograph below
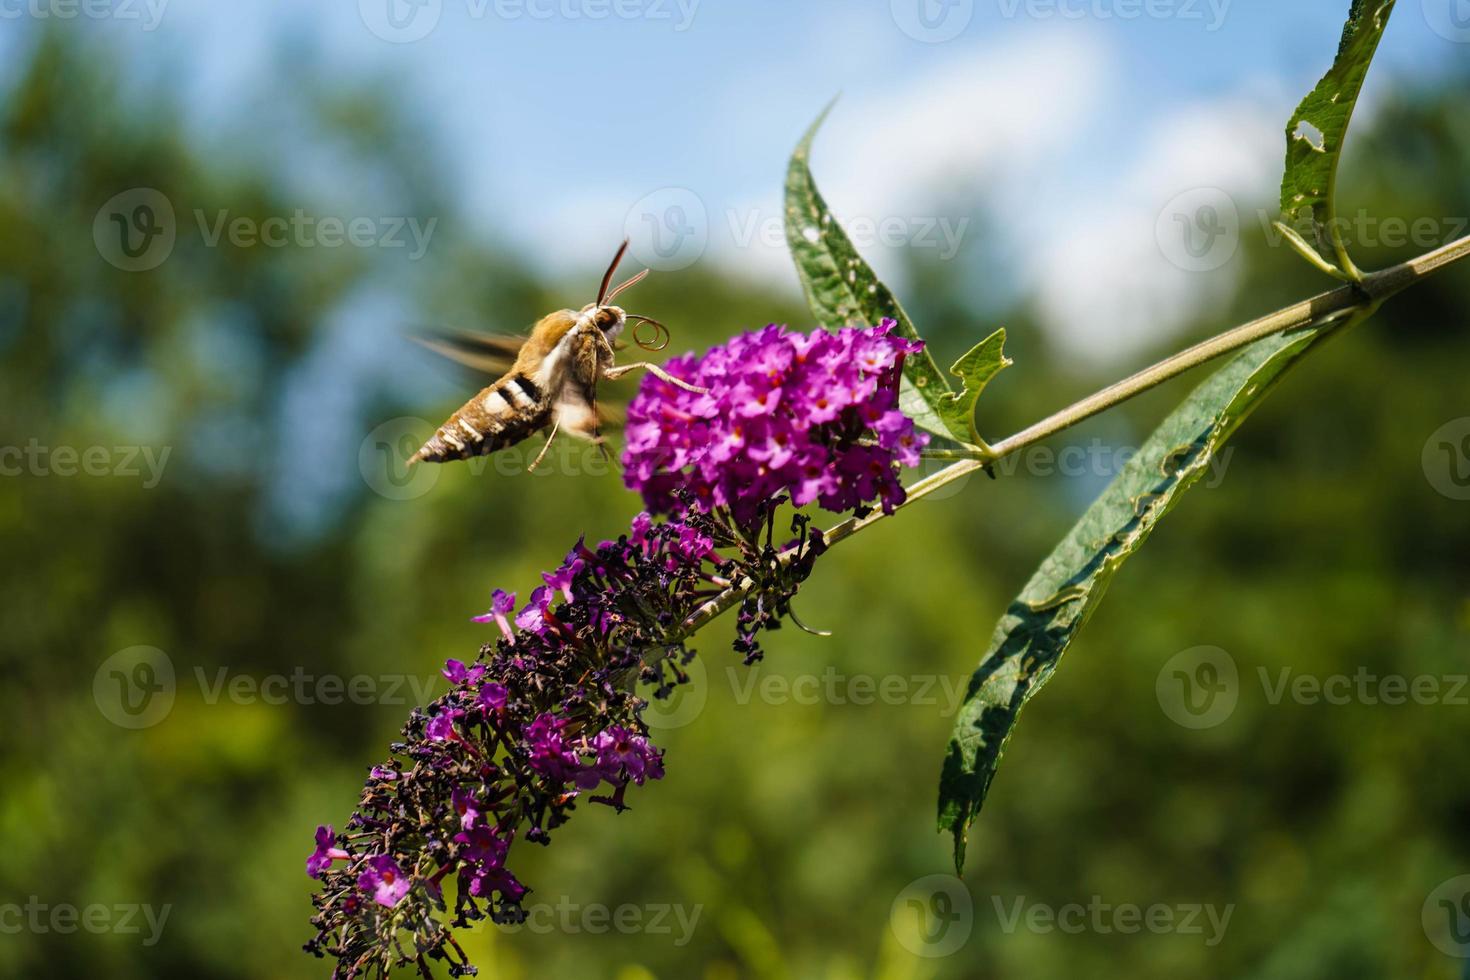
x=597 y=437
x=613 y=373
x=537 y=461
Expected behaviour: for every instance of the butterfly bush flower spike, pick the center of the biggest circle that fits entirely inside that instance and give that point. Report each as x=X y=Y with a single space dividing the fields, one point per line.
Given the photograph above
x=549 y=716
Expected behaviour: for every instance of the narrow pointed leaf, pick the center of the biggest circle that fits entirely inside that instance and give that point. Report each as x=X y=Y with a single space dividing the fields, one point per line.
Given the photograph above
x=1053 y=607
x=1318 y=129
x=843 y=291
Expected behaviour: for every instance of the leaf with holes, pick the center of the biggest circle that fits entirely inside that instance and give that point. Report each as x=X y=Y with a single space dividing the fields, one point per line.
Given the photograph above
x=1053 y=607
x=842 y=289
x=1315 y=137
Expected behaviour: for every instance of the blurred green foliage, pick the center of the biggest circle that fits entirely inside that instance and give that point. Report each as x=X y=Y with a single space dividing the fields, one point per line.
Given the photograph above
x=791 y=826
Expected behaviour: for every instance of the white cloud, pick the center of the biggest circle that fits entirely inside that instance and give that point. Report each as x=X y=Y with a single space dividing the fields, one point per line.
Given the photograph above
x=1123 y=274
x=980 y=125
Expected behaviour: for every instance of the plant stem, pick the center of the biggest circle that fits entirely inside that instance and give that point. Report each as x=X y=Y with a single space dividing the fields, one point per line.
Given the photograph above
x=1374 y=289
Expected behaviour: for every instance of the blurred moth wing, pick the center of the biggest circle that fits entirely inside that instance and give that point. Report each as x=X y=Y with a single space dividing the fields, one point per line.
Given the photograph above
x=490 y=354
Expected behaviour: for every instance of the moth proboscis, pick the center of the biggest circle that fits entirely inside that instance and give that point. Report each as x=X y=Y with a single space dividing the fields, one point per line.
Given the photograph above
x=552 y=381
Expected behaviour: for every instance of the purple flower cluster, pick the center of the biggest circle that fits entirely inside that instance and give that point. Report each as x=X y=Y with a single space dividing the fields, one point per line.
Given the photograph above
x=546 y=715
x=813 y=416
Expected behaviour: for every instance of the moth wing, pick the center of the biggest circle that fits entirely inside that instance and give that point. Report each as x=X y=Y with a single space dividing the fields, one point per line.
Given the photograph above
x=491 y=354
x=612 y=416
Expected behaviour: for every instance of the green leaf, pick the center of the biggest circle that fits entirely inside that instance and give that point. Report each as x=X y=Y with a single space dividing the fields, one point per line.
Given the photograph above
x=1317 y=131
x=975 y=370
x=1053 y=607
x=843 y=291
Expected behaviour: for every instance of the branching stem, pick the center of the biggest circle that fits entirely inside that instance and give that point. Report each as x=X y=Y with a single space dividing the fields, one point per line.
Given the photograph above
x=1373 y=290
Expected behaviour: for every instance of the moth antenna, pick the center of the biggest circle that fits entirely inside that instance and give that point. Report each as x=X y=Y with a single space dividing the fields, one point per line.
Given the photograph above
x=661 y=335
x=631 y=282
x=607 y=276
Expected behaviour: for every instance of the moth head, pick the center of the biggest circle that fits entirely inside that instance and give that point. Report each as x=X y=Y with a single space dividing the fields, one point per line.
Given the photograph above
x=609 y=319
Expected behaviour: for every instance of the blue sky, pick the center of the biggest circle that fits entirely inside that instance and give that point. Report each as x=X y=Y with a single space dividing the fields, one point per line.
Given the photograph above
x=1071 y=122
x=557 y=114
